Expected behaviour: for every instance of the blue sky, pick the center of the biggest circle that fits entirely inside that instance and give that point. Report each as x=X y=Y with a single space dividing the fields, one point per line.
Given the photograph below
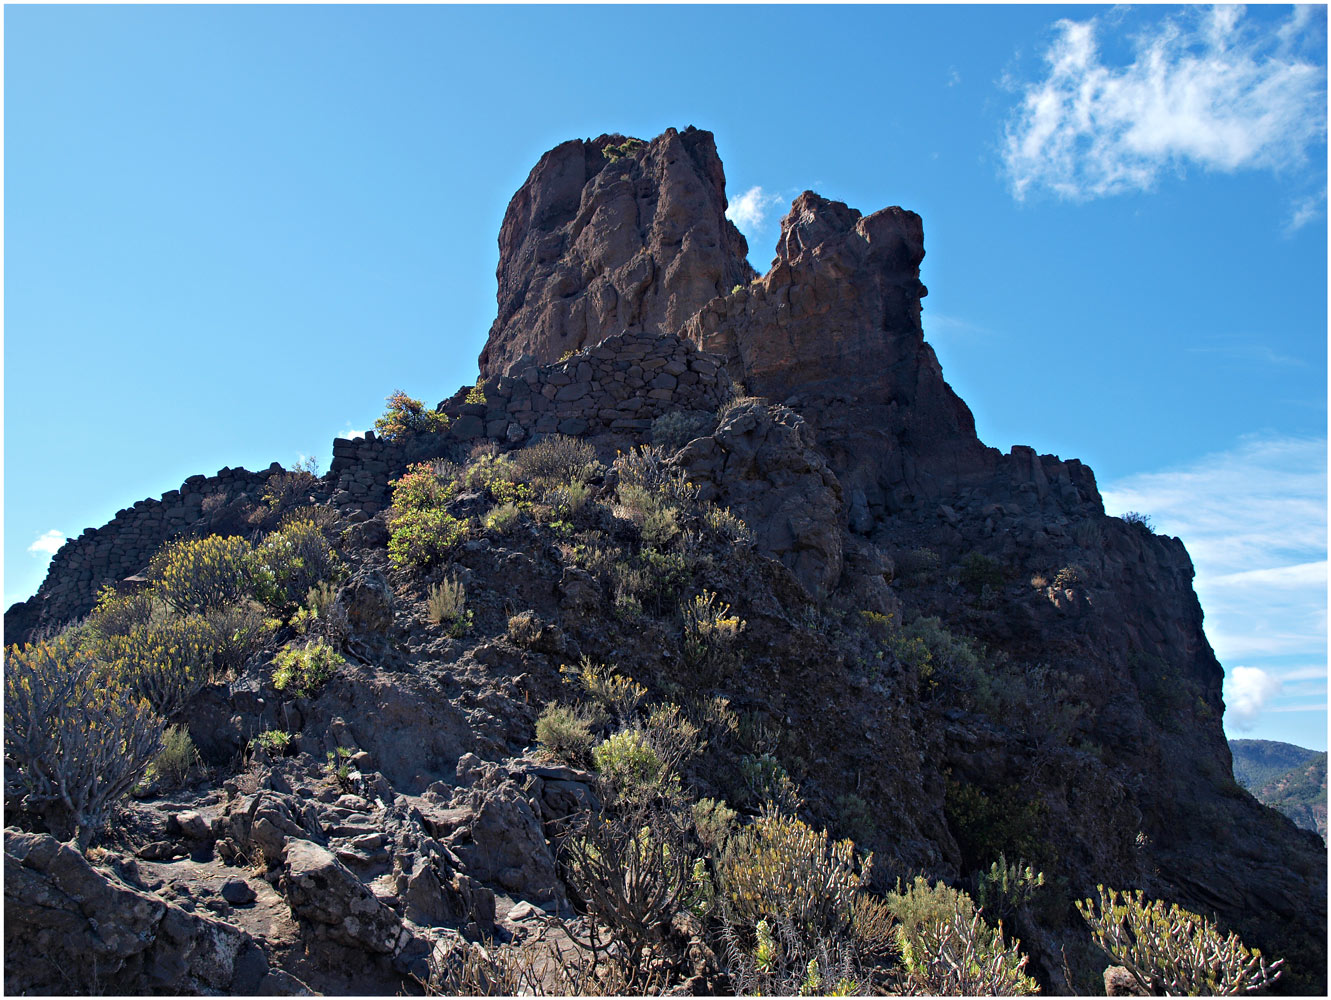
x=232 y=231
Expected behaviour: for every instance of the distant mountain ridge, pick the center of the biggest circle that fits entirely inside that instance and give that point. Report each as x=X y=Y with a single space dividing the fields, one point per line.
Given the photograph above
x=1285 y=777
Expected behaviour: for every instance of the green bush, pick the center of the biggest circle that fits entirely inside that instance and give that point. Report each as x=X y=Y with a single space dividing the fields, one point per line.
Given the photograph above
x=711 y=631
x=780 y=866
x=421 y=531
x=947 y=950
x=993 y=822
x=1171 y=951
x=917 y=565
x=558 y=460
x=297 y=557
x=448 y=606
x=198 y=574
x=628 y=764
x=1142 y=522
x=305 y=669
x=565 y=732
x=672 y=431
x=1005 y=888
x=502 y=518
x=275 y=741
x=406 y=417
x=77 y=737
x=235 y=632
x=166 y=663
x=116 y=613
x=177 y=759
x=614 y=693
x=713 y=822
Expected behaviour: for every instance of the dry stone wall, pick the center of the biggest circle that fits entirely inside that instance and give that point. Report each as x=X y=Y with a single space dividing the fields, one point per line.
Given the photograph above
x=123 y=546
x=617 y=388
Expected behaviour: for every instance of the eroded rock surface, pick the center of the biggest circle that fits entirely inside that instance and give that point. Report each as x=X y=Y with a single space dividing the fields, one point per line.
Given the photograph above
x=612 y=235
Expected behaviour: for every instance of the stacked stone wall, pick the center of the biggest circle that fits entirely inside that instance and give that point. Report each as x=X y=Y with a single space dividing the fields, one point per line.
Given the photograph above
x=618 y=387
x=123 y=546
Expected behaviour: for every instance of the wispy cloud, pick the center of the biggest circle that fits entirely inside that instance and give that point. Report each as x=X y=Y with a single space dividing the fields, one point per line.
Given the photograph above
x=1248 y=353
x=1254 y=521
x=749 y=211
x=48 y=544
x=1247 y=690
x=936 y=322
x=1304 y=211
x=349 y=434
x=1205 y=88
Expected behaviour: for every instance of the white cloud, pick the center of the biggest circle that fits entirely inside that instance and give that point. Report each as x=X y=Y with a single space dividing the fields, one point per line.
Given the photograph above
x=1247 y=690
x=1205 y=88
x=1304 y=211
x=350 y=435
x=749 y=211
x=48 y=544
x=1254 y=521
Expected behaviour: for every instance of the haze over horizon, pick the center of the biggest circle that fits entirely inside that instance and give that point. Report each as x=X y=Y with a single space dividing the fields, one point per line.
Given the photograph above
x=233 y=231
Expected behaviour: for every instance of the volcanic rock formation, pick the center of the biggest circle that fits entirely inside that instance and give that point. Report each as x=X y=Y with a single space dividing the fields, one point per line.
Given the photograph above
x=1079 y=725
x=608 y=236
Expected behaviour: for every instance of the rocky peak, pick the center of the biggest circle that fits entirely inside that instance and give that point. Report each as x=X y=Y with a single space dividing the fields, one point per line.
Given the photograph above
x=612 y=235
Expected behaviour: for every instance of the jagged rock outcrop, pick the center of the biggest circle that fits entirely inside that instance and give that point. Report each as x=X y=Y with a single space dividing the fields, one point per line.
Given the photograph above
x=1078 y=725
x=70 y=928
x=608 y=236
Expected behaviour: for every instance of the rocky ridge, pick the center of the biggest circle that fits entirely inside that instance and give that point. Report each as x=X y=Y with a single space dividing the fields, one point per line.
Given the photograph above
x=1092 y=742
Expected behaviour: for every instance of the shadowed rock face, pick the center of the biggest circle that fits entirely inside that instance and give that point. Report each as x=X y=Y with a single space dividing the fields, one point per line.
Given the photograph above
x=612 y=235
x=833 y=329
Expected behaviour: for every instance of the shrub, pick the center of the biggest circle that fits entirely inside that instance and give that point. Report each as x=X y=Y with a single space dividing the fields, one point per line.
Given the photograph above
x=448 y=606
x=476 y=394
x=633 y=878
x=558 y=460
x=286 y=489
x=618 y=695
x=781 y=867
x=197 y=574
x=628 y=764
x=762 y=778
x=1142 y=522
x=855 y=816
x=994 y=822
x=165 y=663
x=78 y=738
x=713 y=822
x=710 y=631
x=275 y=741
x=734 y=403
x=235 y=632
x=176 y=760
x=727 y=525
x=1070 y=576
x=918 y=565
x=1171 y=951
x=305 y=669
x=675 y=739
x=406 y=417
x=672 y=431
x=297 y=557
x=946 y=948
x=421 y=531
x=647 y=467
x=1005 y=888
x=565 y=732
x=116 y=613
x=503 y=517
x=936 y=653
x=625 y=148
x=966 y=958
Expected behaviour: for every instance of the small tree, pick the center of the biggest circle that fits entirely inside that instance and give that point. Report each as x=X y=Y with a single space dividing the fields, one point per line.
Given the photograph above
x=405 y=417
x=80 y=738
x=1171 y=951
